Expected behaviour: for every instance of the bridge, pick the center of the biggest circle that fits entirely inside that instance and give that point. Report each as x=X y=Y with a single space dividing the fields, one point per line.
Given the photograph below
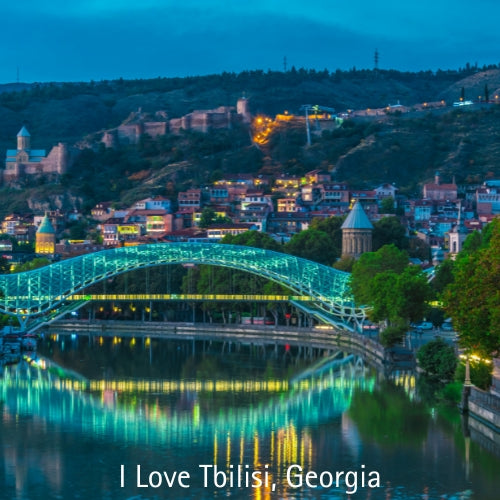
x=45 y=291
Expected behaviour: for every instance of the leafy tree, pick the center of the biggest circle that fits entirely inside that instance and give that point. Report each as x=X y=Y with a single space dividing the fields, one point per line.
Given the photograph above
x=32 y=264
x=393 y=334
x=78 y=230
x=435 y=315
x=480 y=373
x=345 y=264
x=4 y=266
x=389 y=230
x=399 y=298
x=256 y=239
x=387 y=205
x=397 y=292
x=332 y=226
x=313 y=245
x=443 y=276
x=206 y=279
x=473 y=299
x=419 y=249
x=207 y=217
x=387 y=258
x=437 y=359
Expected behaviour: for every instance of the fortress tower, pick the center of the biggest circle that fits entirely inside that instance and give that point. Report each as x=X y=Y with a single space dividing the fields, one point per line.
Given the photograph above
x=243 y=110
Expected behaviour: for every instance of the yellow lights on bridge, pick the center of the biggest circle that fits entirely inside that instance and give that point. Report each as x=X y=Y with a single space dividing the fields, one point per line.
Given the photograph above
x=184 y=296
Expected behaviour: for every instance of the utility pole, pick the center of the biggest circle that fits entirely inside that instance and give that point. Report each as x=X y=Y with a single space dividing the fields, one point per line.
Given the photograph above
x=284 y=64
x=376 y=57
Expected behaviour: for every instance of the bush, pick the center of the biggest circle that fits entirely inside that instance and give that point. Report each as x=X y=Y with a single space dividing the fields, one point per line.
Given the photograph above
x=452 y=392
x=392 y=335
x=437 y=359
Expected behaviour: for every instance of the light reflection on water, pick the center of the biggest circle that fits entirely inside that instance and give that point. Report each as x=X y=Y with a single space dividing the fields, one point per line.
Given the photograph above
x=158 y=405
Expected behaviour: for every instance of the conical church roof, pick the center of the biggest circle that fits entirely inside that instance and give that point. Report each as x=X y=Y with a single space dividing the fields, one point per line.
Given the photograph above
x=357 y=218
x=23 y=132
x=46 y=226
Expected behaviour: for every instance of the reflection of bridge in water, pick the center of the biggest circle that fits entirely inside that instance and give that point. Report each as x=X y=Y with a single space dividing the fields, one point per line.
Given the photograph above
x=316 y=398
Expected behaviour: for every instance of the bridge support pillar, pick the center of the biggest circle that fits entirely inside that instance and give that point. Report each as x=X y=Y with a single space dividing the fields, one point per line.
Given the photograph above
x=23 y=322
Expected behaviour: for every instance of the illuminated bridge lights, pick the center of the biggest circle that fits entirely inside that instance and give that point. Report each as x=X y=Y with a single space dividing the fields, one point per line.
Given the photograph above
x=45 y=290
x=188 y=297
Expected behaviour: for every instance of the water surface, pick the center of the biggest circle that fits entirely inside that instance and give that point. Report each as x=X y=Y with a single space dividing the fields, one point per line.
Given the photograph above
x=120 y=418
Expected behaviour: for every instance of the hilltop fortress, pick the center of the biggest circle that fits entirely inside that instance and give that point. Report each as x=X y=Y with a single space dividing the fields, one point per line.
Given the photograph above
x=223 y=117
x=24 y=163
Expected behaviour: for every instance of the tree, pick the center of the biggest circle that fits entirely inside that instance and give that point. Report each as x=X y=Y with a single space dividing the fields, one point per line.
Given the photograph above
x=473 y=299
x=396 y=292
x=438 y=359
x=4 y=266
x=256 y=239
x=32 y=264
x=387 y=258
x=207 y=217
x=332 y=226
x=205 y=279
x=443 y=276
x=399 y=298
x=387 y=205
x=389 y=230
x=345 y=264
x=313 y=245
x=419 y=249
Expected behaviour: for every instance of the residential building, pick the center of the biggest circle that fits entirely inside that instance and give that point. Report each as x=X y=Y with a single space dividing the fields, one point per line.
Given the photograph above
x=286 y=204
x=157 y=203
x=334 y=195
x=438 y=191
x=189 y=198
x=216 y=232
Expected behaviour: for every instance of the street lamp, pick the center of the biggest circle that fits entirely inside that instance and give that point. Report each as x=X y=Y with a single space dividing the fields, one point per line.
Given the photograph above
x=467 y=381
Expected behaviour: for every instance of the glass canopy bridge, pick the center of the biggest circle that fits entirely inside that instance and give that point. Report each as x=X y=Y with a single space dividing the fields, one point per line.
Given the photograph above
x=44 y=293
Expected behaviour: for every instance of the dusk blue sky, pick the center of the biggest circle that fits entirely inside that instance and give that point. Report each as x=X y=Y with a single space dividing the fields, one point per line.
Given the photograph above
x=82 y=40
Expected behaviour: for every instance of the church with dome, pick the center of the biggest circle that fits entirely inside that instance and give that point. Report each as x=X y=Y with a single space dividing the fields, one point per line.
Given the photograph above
x=25 y=163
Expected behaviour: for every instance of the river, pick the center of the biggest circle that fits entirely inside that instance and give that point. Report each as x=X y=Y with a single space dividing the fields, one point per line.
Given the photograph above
x=92 y=417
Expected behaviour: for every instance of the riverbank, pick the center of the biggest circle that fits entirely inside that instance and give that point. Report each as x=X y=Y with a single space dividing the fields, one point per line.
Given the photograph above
x=322 y=337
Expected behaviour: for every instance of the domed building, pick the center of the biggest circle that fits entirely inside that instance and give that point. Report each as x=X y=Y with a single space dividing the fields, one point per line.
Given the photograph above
x=45 y=242
x=25 y=162
x=356 y=233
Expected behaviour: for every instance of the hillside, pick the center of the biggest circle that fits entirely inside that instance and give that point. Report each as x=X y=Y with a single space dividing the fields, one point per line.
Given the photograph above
x=401 y=148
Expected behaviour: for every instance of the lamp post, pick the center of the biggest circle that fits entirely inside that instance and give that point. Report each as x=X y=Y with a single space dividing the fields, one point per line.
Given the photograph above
x=467 y=381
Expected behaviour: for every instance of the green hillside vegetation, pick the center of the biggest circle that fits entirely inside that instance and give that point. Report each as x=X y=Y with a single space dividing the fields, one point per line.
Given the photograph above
x=402 y=148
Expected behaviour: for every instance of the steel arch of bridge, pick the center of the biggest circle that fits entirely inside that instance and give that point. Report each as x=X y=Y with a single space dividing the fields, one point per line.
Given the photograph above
x=37 y=292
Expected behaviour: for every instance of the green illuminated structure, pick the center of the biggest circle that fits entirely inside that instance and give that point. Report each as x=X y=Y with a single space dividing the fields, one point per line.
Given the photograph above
x=43 y=292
